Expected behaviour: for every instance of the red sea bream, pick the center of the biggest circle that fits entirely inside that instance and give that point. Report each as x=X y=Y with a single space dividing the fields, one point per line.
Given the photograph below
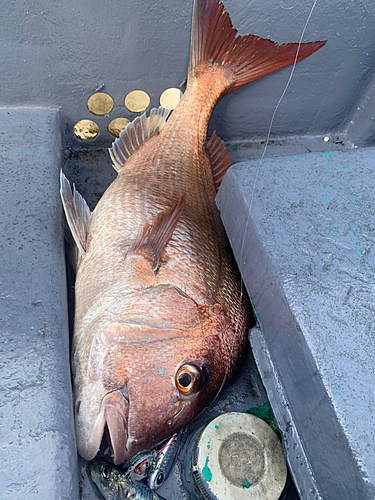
x=160 y=319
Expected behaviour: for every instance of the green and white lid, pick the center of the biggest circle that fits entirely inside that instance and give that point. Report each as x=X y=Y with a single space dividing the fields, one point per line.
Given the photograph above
x=238 y=456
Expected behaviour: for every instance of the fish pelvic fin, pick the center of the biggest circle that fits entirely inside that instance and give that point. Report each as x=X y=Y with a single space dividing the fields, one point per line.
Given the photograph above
x=135 y=134
x=220 y=159
x=214 y=41
x=78 y=216
x=151 y=241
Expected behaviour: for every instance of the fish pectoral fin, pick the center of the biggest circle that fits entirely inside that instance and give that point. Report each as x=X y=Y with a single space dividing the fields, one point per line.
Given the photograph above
x=78 y=215
x=151 y=241
x=135 y=134
x=220 y=159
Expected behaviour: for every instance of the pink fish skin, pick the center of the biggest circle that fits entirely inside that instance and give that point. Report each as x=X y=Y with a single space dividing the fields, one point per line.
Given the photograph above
x=160 y=315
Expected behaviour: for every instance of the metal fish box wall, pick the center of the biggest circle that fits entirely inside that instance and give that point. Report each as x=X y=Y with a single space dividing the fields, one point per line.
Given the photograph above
x=54 y=56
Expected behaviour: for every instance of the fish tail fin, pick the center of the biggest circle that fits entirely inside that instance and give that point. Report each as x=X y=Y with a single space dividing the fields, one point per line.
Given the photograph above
x=214 y=42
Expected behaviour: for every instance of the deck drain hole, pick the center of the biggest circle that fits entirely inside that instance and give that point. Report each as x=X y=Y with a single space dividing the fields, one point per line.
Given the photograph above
x=137 y=101
x=86 y=130
x=170 y=98
x=100 y=104
x=117 y=125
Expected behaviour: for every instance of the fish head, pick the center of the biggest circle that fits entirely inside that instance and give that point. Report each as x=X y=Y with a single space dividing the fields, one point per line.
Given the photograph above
x=145 y=391
x=148 y=368
x=170 y=387
x=105 y=476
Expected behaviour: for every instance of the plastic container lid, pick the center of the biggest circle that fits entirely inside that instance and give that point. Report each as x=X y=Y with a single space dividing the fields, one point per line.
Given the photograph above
x=238 y=456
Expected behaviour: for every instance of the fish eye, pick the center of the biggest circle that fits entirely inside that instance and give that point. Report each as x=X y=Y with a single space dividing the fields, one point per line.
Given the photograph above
x=188 y=379
x=105 y=471
x=160 y=478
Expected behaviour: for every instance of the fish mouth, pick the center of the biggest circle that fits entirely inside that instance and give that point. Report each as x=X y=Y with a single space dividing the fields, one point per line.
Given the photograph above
x=114 y=412
x=113 y=420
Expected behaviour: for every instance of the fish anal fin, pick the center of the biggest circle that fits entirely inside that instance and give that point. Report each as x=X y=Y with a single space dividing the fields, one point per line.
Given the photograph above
x=135 y=134
x=152 y=240
x=214 y=42
x=220 y=159
x=78 y=216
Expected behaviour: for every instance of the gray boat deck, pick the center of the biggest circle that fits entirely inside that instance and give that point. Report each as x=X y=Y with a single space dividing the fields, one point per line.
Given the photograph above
x=306 y=253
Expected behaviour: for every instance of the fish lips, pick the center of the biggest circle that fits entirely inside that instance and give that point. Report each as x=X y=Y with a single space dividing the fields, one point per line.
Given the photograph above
x=114 y=412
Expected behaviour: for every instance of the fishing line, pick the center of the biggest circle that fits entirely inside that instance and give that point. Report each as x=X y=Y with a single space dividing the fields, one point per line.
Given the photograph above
x=273 y=118
x=256 y=180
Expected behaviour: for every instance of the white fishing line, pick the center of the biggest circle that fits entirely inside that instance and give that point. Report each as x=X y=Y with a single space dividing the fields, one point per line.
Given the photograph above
x=273 y=118
x=257 y=173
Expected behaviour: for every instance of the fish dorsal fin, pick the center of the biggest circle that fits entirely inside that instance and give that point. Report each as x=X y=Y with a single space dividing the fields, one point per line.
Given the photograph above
x=220 y=159
x=77 y=213
x=151 y=241
x=135 y=134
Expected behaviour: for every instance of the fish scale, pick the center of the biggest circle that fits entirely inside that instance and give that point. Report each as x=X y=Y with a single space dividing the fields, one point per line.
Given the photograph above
x=156 y=283
x=188 y=241
x=186 y=248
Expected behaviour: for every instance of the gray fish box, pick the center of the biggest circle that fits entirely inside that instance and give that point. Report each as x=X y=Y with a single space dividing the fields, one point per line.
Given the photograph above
x=301 y=223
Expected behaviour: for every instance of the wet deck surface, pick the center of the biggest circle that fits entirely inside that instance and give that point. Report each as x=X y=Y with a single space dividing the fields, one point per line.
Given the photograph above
x=37 y=448
x=311 y=232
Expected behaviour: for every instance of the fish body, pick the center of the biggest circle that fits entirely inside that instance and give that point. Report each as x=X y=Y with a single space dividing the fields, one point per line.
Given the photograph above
x=160 y=315
x=114 y=483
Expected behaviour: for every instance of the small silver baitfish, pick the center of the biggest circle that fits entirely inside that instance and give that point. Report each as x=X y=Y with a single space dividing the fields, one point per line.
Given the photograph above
x=114 y=483
x=163 y=461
